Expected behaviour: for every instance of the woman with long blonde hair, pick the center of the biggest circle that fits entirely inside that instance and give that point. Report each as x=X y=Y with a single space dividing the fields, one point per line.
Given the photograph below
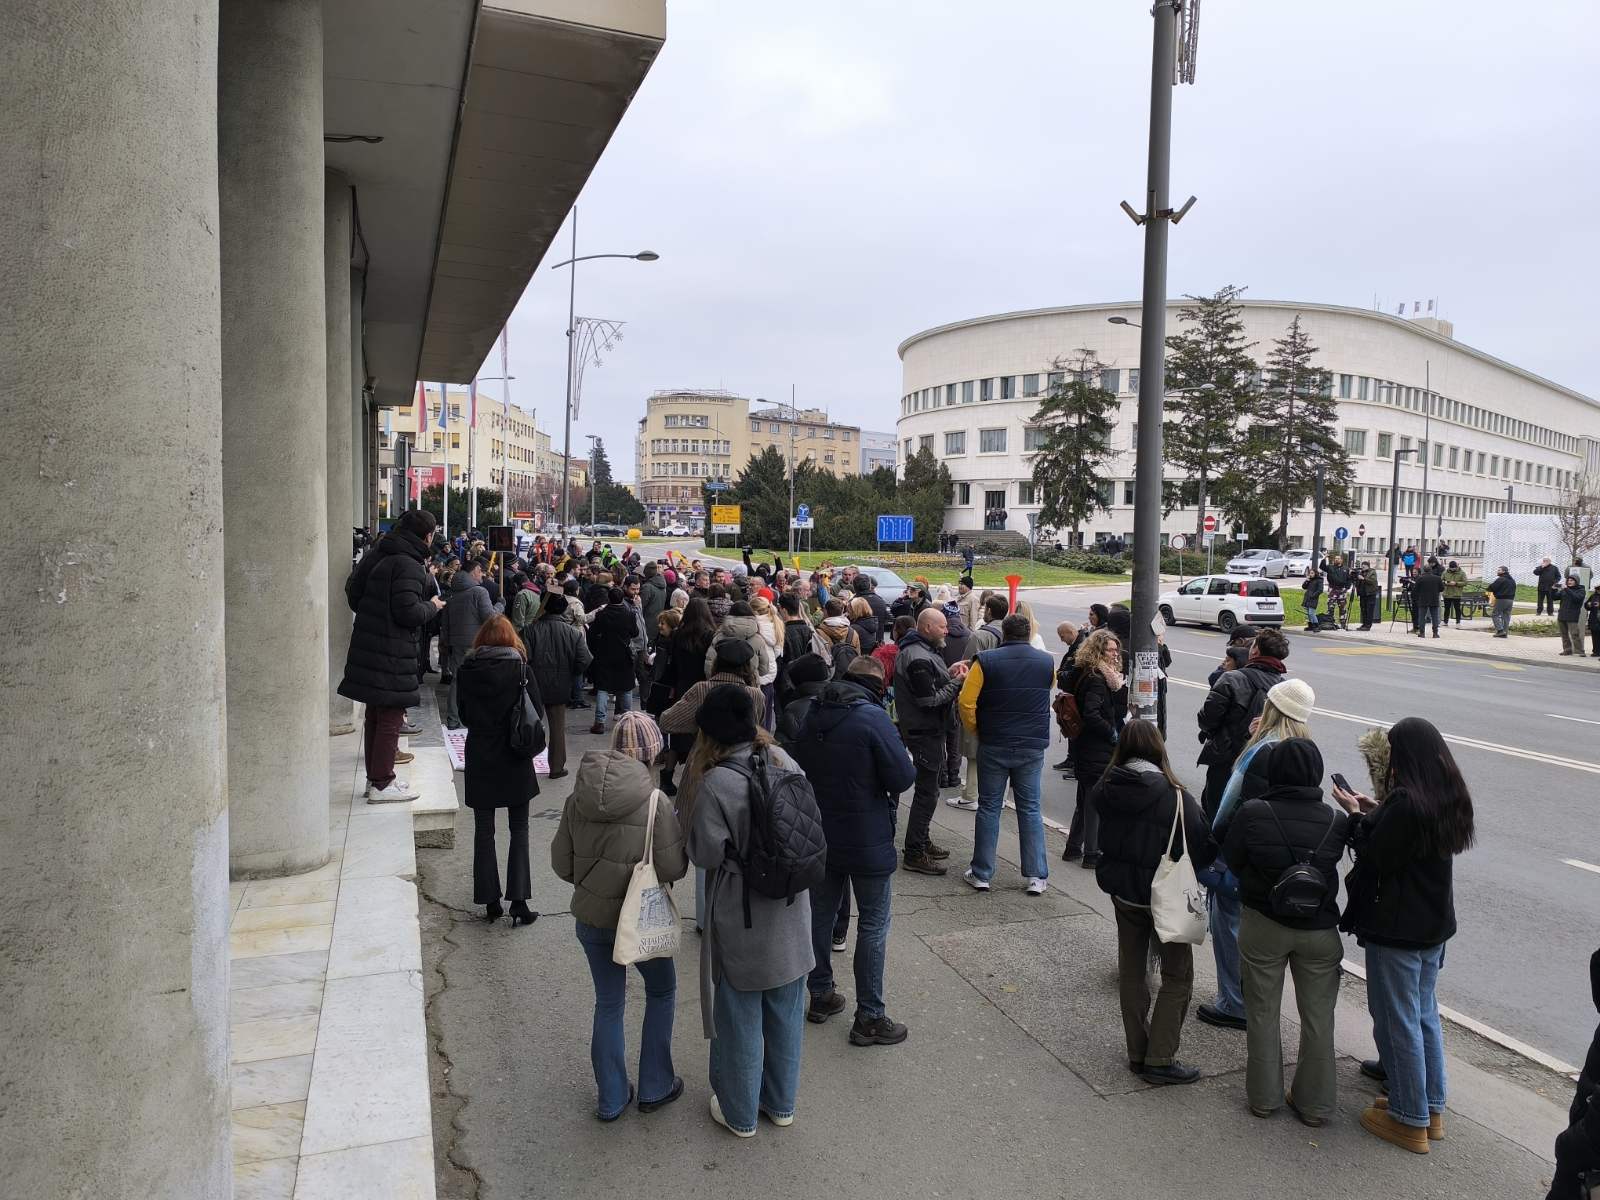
x=1096 y=683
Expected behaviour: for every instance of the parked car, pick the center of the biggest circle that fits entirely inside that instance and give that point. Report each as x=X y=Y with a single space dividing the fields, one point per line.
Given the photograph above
x=1224 y=601
x=674 y=530
x=1262 y=564
x=1297 y=563
x=885 y=582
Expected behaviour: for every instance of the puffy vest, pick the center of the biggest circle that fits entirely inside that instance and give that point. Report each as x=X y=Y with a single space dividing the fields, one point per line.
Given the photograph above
x=1014 y=703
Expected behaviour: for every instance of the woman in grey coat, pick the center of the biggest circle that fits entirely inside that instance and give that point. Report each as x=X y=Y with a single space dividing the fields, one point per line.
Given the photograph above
x=757 y=1017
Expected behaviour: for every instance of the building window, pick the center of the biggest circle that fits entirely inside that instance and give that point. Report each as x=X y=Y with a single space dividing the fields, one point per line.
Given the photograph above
x=455 y=441
x=991 y=441
x=955 y=442
x=1481 y=457
x=1455 y=457
x=925 y=442
x=949 y=395
x=1030 y=385
x=1438 y=454
x=1110 y=381
x=1008 y=387
x=438 y=442
x=966 y=392
x=963 y=493
x=1133 y=381
x=1034 y=437
x=909 y=444
x=1054 y=379
x=1344 y=387
x=1355 y=441
x=1127 y=492
x=1386 y=445
x=1026 y=493
x=1494 y=464
x=985 y=389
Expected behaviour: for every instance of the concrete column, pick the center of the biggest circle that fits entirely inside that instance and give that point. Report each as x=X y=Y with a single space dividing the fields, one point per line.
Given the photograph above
x=341 y=464
x=113 y=820
x=274 y=433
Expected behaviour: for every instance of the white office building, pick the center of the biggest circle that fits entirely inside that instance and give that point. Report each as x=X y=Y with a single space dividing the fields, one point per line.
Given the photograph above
x=1490 y=432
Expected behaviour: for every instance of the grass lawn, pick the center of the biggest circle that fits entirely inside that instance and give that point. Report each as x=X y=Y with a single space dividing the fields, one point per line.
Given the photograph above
x=937 y=568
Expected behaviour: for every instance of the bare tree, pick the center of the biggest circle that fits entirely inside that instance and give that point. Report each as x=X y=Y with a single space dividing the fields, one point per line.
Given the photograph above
x=1577 y=518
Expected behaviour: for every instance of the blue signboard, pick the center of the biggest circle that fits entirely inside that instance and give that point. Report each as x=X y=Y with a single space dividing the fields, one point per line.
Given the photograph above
x=896 y=529
x=716 y=486
x=803 y=512
x=1340 y=534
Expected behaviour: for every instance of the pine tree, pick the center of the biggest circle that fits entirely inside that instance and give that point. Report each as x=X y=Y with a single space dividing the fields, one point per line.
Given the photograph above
x=762 y=493
x=599 y=466
x=1294 y=434
x=1210 y=395
x=923 y=494
x=1077 y=417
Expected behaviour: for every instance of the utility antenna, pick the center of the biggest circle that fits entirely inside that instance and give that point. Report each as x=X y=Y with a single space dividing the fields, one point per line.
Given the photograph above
x=595 y=335
x=1188 y=41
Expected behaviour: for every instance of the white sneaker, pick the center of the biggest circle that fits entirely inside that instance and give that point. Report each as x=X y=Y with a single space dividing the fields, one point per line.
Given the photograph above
x=1035 y=887
x=961 y=803
x=980 y=885
x=839 y=945
x=397 y=792
x=716 y=1115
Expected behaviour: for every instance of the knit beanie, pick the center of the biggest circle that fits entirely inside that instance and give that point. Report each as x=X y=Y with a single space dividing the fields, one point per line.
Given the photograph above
x=733 y=655
x=638 y=736
x=809 y=668
x=1293 y=698
x=555 y=604
x=1296 y=762
x=727 y=715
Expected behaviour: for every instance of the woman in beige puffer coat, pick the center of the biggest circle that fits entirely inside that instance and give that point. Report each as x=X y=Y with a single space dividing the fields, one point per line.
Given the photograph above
x=600 y=839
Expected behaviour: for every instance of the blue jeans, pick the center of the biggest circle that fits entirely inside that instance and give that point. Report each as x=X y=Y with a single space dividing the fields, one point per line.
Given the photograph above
x=755 y=1052
x=624 y=703
x=607 y=1048
x=1020 y=768
x=1225 y=949
x=1401 y=996
x=872 y=936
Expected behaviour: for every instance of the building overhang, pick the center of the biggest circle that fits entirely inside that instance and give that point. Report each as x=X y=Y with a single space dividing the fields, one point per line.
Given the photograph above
x=491 y=115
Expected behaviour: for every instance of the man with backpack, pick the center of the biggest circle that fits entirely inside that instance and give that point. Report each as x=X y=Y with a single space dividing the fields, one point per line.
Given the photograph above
x=924 y=690
x=1234 y=701
x=857 y=765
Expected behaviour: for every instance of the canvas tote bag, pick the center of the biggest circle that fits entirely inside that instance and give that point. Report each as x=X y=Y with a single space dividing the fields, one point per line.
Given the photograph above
x=647 y=927
x=1177 y=901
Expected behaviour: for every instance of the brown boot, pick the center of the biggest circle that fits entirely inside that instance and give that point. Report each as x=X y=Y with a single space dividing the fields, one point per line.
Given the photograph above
x=921 y=863
x=1435 y=1120
x=1379 y=1123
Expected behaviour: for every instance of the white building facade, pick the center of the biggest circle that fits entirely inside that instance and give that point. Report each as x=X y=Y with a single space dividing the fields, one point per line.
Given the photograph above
x=971 y=389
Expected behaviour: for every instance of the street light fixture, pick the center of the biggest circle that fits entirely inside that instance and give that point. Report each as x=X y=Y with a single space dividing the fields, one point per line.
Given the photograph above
x=1394 y=514
x=572 y=348
x=1122 y=321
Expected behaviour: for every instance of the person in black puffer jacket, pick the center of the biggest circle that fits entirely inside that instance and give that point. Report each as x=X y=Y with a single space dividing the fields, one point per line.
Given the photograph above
x=1289 y=824
x=1136 y=802
x=391 y=596
x=807 y=676
x=1578 y=1149
x=611 y=635
x=1096 y=681
x=1235 y=700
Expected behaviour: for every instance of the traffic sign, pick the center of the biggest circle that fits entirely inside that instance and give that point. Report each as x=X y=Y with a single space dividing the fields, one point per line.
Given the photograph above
x=1340 y=534
x=1361 y=530
x=1177 y=541
x=802 y=523
x=724 y=518
x=716 y=485
x=896 y=529
x=1210 y=524
x=802 y=512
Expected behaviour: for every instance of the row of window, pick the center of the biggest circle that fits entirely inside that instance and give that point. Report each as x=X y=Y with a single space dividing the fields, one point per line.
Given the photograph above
x=826 y=432
x=1455 y=458
x=695 y=470
x=690 y=446
x=1006 y=387
x=990 y=441
x=687 y=421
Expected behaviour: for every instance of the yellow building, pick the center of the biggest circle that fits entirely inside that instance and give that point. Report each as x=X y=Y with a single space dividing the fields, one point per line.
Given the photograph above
x=688 y=436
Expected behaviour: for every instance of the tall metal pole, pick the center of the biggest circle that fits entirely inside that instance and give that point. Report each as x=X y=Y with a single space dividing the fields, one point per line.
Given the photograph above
x=1394 y=517
x=572 y=346
x=1316 y=520
x=1152 y=367
x=444 y=441
x=794 y=424
x=1510 y=507
x=1427 y=446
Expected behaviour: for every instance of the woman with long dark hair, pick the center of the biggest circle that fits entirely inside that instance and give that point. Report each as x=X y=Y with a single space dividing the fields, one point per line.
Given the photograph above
x=687 y=649
x=1402 y=911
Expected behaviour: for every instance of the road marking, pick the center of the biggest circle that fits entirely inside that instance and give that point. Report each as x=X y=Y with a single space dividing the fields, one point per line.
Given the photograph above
x=1581 y=865
x=1580 y=720
x=1507 y=667
x=1363 y=651
x=1554 y=760
x=1196 y=654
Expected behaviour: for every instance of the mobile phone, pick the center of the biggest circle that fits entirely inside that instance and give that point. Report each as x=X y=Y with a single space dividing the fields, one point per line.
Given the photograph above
x=1343 y=784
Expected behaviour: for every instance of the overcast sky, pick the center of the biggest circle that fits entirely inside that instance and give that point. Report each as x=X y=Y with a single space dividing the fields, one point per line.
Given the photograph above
x=824 y=179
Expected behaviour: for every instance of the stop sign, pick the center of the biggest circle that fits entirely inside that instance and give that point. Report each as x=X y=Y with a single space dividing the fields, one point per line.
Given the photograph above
x=1210 y=524
x=1361 y=529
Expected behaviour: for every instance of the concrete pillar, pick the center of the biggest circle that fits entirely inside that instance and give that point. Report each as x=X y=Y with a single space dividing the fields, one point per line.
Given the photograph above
x=274 y=433
x=113 y=820
x=340 y=450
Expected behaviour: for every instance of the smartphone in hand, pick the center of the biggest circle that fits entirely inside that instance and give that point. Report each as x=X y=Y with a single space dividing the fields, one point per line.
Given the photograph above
x=1343 y=784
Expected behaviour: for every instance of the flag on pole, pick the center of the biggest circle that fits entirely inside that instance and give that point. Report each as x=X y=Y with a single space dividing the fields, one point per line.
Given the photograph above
x=472 y=404
x=444 y=397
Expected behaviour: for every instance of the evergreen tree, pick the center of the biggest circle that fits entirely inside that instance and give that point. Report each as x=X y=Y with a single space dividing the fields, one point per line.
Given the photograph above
x=762 y=493
x=461 y=506
x=923 y=495
x=1077 y=417
x=1294 y=435
x=614 y=504
x=1210 y=394
x=599 y=466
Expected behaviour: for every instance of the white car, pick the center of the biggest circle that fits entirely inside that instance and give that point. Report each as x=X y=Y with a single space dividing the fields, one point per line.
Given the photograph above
x=1224 y=601
x=1260 y=564
x=674 y=531
x=1297 y=563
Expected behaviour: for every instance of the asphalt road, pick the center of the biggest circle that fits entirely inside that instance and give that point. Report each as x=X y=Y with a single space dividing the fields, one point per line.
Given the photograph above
x=1526 y=737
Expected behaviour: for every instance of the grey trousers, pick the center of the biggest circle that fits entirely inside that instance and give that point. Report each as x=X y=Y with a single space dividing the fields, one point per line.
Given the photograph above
x=1500 y=616
x=1312 y=956
x=1572 y=637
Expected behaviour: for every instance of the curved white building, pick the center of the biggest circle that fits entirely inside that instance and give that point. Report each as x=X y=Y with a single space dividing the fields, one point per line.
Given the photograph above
x=971 y=389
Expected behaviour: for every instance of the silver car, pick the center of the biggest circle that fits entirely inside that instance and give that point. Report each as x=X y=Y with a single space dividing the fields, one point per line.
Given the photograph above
x=1259 y=564
x=885 y=582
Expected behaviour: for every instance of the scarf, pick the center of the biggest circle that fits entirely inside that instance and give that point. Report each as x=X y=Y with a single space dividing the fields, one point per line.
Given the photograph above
x=1112 y=676
x=1274 y=664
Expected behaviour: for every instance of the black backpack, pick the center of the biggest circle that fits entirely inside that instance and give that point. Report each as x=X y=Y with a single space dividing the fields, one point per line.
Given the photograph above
x=1300 y=889
x=843 y=655
x=787 y=852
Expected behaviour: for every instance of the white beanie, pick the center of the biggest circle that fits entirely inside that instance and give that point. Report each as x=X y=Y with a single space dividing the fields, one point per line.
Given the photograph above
x=1293 y=698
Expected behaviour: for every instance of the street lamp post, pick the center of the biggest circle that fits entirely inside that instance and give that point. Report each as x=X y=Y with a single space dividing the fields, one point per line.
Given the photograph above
x=593 y=440
x=572 y=350
x=1394 y=516
x=1510 y=507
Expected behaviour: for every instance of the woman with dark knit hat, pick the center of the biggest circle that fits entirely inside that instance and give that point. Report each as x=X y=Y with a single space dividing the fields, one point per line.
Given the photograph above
x=755 y=1015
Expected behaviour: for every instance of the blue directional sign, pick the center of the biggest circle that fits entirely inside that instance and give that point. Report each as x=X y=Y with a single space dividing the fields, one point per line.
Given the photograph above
x=803 y=512
x=896 y=529
x=1340 y=534
x=716 y=485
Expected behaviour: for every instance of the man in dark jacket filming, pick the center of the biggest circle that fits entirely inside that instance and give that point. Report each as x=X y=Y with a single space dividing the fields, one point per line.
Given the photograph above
x=849 y=750
x=1427 y=591
x=1236 y=700
x=391 y=596
x=924 y=690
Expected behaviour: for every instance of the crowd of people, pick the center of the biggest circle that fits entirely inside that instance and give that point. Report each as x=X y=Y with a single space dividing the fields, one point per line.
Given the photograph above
x=765 y=723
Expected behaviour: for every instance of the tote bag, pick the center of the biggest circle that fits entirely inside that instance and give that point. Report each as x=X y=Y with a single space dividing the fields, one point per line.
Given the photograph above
x=1177 y=901
x=647 y=927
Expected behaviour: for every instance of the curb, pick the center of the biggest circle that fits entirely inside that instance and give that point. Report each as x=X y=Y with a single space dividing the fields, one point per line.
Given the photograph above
x=1488 y=656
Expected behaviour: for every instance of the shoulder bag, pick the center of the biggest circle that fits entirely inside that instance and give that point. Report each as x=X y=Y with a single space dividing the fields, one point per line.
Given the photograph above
x=647 y=926
x=526 y=735
x=1177 y=901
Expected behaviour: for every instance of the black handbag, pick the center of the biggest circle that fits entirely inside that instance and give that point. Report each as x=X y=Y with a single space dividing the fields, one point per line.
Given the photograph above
x=526 y=736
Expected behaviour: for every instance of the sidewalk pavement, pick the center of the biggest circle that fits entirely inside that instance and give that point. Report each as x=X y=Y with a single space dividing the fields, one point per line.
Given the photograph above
x=1013 y=1080
x=1475 y=639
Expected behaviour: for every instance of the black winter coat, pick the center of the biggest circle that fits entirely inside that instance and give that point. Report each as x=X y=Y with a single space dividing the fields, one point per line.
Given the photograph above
x=1102 y=712
x=688 y=661
x=653 y=596
x=858 y=766
x=1135 y=809
x=388 y=592
x=880 y=609
x=611 y=634
x=1395 y=897
x=1426 y=589
x=557 y=654
x=1571 y=604
x=795 y=712
x=486 y=688
x=1548 y=578
x=1502 y=587
x=1234 y=701
x=1258 y=850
